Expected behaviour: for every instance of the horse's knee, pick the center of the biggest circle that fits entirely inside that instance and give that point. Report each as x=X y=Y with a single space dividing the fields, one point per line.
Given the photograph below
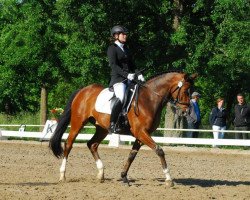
x=159 y=151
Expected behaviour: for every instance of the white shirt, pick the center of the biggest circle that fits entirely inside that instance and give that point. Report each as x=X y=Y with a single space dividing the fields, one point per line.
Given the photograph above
x=119 y=45
x=193 y=100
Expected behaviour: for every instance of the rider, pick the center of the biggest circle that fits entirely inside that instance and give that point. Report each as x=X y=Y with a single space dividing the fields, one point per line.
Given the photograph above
x=122 y=70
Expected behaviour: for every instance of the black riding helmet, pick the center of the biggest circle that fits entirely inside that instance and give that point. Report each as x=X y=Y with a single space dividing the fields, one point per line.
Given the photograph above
x=118 y=29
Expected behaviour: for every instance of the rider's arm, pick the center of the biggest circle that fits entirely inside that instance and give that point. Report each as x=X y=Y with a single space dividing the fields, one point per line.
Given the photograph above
x=114 y=63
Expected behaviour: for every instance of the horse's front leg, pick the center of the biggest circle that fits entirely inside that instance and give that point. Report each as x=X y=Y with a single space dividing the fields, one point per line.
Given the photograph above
x=136 y=147
x=146 y=139
x=166 y=170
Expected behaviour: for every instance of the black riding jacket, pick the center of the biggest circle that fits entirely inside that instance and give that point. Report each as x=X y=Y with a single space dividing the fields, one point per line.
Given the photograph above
x=242 y=115
x=120 y=62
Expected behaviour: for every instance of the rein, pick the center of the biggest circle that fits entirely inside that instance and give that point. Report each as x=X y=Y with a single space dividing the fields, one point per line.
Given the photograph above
x=165 y=98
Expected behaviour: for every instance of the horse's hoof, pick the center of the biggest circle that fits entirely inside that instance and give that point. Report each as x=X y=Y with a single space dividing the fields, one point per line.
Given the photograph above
x=169 y=183
x=100 y=177
x=125 y=181
x=62 y=180
x=62 y=177
x=127 y=184
x=101 y=180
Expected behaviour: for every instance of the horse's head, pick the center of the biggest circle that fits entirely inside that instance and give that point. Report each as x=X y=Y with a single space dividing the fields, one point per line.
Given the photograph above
x=180 y=92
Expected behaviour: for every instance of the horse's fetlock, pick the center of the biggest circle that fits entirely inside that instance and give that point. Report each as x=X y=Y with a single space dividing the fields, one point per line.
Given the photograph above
x=123 y=174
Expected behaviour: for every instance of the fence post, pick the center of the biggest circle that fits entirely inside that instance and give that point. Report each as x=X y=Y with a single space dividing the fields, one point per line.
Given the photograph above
x=49 y=127
x=114 y=140
x=1 y=136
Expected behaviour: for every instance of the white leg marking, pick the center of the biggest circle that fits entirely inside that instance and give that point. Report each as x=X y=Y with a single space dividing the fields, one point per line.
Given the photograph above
x=100 y=168
x=167 y=174
x=63 y=170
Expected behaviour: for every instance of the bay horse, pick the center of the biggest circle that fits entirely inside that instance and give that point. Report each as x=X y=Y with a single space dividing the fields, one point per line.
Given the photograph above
x=153 y=96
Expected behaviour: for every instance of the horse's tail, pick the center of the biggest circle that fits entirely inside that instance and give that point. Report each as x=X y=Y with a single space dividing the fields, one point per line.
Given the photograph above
x=63 y=122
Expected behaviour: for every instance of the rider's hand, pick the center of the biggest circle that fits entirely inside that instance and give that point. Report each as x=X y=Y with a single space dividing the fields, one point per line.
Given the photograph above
x=141 y=78
x=131 y=77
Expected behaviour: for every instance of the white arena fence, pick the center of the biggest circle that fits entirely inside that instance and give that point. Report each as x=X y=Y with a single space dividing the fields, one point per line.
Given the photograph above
x=115 y=140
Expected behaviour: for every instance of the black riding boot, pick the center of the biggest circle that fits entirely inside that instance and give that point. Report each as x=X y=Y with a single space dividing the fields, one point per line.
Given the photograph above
x=116 y=109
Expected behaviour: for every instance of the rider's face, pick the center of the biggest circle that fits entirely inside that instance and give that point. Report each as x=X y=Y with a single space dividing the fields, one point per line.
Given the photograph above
x=122 y=37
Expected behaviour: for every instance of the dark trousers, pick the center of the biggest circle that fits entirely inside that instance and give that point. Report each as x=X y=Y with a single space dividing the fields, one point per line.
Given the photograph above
x=244 y=136
x=193 y=134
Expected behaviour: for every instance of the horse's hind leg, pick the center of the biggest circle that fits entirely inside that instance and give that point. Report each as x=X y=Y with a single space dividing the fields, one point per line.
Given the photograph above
x=136 y=147
x=93 y=144
x=75 y=128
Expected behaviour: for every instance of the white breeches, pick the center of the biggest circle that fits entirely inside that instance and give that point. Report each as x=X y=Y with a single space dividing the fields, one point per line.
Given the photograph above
x=217 y=134
x=119 y=89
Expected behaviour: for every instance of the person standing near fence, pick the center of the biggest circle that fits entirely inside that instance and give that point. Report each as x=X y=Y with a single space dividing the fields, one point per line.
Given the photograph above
x=217 y=119
x=193 y=115
x=242 y=117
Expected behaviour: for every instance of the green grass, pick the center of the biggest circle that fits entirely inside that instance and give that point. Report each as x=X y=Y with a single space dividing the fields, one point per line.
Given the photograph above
x=20 y=119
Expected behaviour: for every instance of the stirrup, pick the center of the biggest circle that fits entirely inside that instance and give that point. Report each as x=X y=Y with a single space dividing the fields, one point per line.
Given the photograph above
x=111 y=128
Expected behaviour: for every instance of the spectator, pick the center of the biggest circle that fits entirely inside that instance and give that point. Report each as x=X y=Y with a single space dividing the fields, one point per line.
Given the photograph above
x=193 y=115
x=217 y=119
x=242 y=117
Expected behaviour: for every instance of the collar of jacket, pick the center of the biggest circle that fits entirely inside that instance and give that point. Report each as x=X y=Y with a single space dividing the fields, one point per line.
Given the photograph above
x=119 y=44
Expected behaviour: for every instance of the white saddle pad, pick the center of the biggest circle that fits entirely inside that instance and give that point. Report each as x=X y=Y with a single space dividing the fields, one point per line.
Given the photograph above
x=103 y=102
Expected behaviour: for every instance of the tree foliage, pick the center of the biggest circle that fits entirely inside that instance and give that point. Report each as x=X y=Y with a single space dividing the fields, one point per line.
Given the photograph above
x=62 y=45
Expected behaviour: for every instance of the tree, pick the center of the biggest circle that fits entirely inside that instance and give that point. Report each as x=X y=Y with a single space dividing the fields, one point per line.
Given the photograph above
x=28 y=52
x=55 y=47
x=16 y=47
x=218 y=50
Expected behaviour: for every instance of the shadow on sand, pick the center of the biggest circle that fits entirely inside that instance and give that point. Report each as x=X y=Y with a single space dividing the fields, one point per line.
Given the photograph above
x=209 y=183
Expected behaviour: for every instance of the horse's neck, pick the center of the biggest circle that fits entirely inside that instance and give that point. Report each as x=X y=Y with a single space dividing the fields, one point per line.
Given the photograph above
x=157 y=92
x=160 y=86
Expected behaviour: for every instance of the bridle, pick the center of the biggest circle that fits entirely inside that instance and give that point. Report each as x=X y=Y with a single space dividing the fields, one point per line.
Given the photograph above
x=166 y=97
x=176 y=100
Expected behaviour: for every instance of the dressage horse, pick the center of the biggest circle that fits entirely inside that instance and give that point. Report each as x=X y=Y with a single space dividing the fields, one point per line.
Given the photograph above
x=153 y=96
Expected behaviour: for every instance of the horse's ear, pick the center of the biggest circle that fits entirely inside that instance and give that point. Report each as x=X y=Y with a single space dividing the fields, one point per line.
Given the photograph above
x=193 y=76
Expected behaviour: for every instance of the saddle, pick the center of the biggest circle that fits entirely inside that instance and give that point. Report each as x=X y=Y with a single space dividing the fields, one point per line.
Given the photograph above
x=105 y=101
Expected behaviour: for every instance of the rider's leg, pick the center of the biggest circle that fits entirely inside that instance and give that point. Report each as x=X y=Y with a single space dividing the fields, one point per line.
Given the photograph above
x=119 y=89
x=114 y=114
